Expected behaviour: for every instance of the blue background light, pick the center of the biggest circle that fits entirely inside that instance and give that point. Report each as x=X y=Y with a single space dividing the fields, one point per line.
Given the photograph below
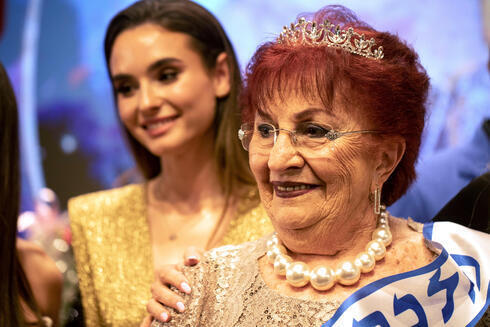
x=64 y=92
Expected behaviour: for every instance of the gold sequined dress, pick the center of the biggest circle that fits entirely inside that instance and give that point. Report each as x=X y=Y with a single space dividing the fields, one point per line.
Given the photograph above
x=228 y=290
x=111 y=242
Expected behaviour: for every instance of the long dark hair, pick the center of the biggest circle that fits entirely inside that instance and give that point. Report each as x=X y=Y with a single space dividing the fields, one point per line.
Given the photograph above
x=208 y=40
x=14 y=286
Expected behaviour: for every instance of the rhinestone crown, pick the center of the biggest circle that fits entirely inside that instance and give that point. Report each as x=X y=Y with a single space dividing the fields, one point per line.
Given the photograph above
x=306 y=32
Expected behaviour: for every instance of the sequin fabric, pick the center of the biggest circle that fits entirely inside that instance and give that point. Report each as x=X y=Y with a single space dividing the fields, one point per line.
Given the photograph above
x=228 y=290
x=111 y=242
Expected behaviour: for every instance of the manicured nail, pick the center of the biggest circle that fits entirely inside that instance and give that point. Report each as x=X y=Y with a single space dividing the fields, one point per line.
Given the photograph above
x=193 y=260
x=164 y=316
x=185 y=287
x=180 y=306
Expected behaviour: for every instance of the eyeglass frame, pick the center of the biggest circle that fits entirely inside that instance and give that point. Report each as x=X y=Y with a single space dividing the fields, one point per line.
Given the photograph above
x=331 y=135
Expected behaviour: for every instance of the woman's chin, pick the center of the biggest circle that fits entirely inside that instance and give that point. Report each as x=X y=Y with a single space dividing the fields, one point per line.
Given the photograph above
x=292 y=219
x=296 y=242
x=167 y=147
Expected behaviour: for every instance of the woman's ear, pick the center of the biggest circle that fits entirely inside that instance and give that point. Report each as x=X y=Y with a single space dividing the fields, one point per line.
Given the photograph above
x=221 y=76
x=390 y=154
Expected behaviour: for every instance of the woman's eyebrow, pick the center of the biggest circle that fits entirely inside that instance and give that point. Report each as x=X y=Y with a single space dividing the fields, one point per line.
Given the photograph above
x=310 y=112
x=120 y=77
x=154 y=66
x=162 y=62
x=263 y=114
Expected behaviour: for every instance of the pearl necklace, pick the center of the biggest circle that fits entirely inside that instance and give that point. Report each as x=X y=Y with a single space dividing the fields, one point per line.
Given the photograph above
x=323 y=278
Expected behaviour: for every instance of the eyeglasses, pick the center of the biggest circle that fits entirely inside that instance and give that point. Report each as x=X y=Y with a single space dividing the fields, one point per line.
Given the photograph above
x=307 y=135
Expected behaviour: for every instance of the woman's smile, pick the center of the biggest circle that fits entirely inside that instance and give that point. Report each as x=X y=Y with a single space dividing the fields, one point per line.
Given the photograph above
x=292 y=189
x=159 y=126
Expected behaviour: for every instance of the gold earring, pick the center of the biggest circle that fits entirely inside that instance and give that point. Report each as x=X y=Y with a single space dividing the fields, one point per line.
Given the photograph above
x=377 y=201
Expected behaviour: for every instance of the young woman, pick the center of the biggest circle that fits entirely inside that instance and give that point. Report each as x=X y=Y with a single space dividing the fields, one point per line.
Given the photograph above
x=30 y=282
x=175 y=79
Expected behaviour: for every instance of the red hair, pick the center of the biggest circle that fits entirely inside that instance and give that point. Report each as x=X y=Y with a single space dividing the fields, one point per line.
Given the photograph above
x=389 y=94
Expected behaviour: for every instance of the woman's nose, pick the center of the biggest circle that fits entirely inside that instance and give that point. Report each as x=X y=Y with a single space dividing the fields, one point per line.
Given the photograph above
x=148 y=100
x=284 y=154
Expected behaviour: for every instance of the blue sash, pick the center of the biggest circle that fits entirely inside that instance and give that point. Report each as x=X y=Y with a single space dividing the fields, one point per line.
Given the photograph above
x=453 y=290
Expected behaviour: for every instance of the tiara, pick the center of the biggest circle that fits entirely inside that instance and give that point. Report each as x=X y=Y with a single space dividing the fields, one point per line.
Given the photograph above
x=306 y=32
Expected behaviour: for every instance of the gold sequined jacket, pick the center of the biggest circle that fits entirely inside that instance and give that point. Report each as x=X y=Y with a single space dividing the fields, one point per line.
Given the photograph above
x=111 y=242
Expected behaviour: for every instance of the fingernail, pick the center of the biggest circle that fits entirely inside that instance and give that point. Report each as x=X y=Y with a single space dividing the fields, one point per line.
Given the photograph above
x=164 y=316
x=180 y=306
x=193 y=259
x=185 y=287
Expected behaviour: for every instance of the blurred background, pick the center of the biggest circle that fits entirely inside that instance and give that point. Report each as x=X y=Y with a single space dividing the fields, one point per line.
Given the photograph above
x=71 y=142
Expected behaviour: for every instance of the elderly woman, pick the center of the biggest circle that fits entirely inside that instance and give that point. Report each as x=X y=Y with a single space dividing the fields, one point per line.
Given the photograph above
x=334 y=112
